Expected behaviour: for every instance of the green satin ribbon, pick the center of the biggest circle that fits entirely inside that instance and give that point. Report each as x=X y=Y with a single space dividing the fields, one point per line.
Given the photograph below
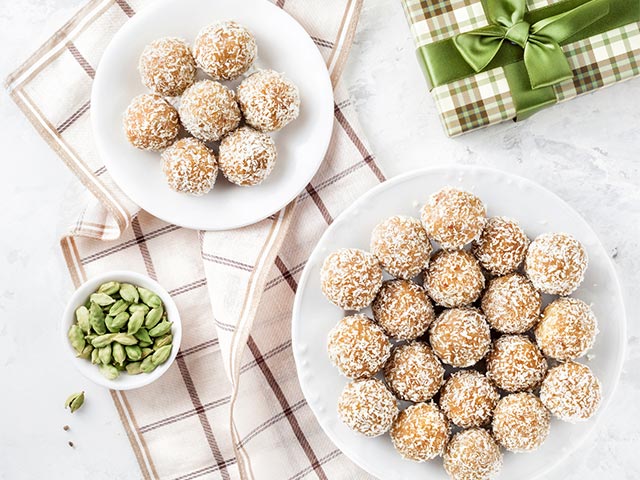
x=443 y=63
x=543 y=58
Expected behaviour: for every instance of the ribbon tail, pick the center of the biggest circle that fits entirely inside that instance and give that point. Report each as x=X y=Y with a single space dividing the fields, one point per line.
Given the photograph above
x=546 y=63
x=478 y=47
x=564 y=25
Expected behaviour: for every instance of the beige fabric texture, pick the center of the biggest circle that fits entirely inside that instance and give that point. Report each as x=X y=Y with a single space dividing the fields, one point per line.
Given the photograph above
x=230 y=406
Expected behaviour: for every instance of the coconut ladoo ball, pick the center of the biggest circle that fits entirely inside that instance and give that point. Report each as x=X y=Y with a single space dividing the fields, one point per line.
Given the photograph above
x=515 y=364
x=351 y=278
x=520 y=422
x=208 y=110
x=556 y=263
x=225 y=50
x=460 y=337
x=567 y=329
x=403 y=309
x=268 y=100
x=150 y=123
x=166 y=67
x=468 y=399
x=511 y=303
x=413 y=372
x=358 y=347
x=367 y=407
x=247 y=156
x=454 y=279
x=571 y=392
x=189 y=166
x=502 y=246
x=453 y=217
x=402 y=246
x=472 y=455
x=420 y=432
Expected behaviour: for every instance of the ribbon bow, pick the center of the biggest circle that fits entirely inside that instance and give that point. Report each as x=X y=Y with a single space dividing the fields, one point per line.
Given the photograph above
x=544 y=60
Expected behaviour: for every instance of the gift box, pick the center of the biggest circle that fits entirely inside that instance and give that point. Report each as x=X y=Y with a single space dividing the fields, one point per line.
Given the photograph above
x=487 y=61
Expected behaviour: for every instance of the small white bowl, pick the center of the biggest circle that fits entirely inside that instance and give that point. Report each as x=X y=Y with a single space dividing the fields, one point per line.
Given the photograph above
x=124 y=381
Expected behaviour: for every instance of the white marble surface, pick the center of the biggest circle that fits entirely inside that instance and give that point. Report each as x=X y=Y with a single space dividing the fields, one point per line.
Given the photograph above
x=586 y=151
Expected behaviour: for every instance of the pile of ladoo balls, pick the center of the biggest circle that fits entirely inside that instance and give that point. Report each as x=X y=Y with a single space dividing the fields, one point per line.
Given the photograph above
x=208 y=110
x=490 y=334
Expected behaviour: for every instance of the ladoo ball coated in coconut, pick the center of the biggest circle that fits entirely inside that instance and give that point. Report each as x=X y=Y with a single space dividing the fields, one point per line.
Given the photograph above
x=358 y=347
x=454 y=279
x=473 y=455
x=403 y=309
x=515 y=364
x=402 y=246
x=268 y=100
x=453 y=217
x=413 y=372
x=511 y=303
x=502 y=246
x=571 y=392
x=520 y=422
x=350 y=278
x=567 y=329
x=556 y=263
x=468 y=399
x=460 y=337
x=166 y=67
x=225 y=50
x=247 y=156
x=150 y=123
x=208 y=110
x=189 y=166
x=367 y=407
x=420 y=432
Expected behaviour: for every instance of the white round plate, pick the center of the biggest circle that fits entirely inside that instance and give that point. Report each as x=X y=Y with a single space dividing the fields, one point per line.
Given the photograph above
x=283 y=45
x=538 y=211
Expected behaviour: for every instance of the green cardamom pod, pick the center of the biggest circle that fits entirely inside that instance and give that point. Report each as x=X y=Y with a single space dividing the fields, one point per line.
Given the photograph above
x=118 y=307
x=125 y=339
x=129 y=293
x=135 y=322
x=153 y=317
x=109 y=371
x=95 y=359
x=74 y=401
x=119 y=354
x=162 y=341
x=89 y=338
x=86 y=352
x=150 y=298
x=105 y=355
x=109 y=288
x=147 y=365
x=82 y=318
x=138 y=306
x=161 y=329
x=76 y=337
x=120 y=321
x=103 y=340
x=101 y=299
x=161 y=355
x=146 y=352
x=133 y=368
x=96 y=319
x=134 y=352
x=143 y=336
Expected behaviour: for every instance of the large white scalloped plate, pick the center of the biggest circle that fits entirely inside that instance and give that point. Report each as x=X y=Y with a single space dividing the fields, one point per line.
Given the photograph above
x=538 y=211
x=283 y=45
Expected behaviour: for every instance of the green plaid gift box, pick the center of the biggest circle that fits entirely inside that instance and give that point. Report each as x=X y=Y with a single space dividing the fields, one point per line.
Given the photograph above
x=485 y=98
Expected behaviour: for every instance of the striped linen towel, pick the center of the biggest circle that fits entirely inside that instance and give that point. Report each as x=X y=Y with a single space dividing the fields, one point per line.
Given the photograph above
x=230 y=406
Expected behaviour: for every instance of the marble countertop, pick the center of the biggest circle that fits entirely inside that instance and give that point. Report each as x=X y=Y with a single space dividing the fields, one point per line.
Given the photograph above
x=585 y=150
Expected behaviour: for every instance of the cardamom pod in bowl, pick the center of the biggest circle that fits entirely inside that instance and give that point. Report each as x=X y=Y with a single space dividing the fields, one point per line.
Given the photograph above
x=121 y=329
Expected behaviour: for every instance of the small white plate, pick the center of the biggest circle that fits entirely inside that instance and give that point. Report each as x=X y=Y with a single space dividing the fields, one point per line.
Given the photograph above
x=283 y=45
x=80 y=296
x=538 y=211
